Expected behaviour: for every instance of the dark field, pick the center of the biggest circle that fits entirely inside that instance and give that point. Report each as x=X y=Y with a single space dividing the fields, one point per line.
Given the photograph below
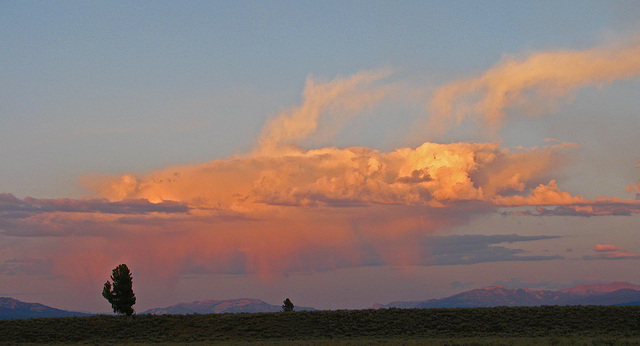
x=580 y=325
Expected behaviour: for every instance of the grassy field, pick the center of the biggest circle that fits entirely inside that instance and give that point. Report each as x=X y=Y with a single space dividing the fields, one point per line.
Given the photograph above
x=552 y=325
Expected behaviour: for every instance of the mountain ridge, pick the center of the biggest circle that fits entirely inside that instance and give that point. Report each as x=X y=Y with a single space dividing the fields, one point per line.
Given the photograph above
x=614 y=293
x=11 y=308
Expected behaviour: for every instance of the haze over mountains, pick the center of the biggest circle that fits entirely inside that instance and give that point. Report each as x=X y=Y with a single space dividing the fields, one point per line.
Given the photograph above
x=221 y=306
x=615 y=293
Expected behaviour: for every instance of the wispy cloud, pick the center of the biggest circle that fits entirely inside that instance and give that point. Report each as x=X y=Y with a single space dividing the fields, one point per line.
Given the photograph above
x=10 y=204
x=587 y=208
x=472 y=249
x=605 y=248
x=341 y=97
x=610 y=252
x=532 y=84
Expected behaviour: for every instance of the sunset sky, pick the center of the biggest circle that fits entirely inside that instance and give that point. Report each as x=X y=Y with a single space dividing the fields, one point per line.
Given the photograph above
x=336 y=153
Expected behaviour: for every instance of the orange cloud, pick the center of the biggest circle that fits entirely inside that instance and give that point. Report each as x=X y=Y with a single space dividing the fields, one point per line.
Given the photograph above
x=607 y=251
x=633 y=187
x=533 y=84
x=548 y=194
x=605 y=248
x=431 y=175
x=341 y=97
x=566 y=204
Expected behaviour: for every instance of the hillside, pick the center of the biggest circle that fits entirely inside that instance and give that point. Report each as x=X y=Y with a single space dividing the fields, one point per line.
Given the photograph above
x=13 y=308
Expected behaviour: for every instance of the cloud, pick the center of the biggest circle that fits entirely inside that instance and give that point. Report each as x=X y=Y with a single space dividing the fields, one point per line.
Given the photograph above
x=282 y=208
x=566 y=204
x=611 y=255
x=430 y=175
x=32 y=217
x=605 y=248
x=268 y=241
x=633 y=187
x=533 y=84
x=619 y=255
x=586 y=209
x=472 y=249
x=10 y=204
x=548 y=194
x=610 y=252
x=341 y=97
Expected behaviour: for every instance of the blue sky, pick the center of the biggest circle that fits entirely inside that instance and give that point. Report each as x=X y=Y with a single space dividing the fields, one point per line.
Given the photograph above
x=92 y=91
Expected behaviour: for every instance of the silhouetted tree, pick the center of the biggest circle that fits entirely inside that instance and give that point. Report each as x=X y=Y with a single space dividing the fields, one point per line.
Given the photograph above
x=287 y=305
x=120 y=295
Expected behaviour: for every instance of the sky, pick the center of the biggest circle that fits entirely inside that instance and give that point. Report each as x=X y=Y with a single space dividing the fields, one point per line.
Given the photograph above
x=339 y=154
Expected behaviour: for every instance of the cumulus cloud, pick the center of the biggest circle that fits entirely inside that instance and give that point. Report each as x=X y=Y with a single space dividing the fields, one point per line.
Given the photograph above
x=548 y=194
x=532 y=84
x=545 y=195
x=430 y=175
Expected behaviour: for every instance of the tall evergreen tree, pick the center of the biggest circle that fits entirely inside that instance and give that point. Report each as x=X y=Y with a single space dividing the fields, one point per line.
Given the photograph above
x=120 y=294
x=287 y=305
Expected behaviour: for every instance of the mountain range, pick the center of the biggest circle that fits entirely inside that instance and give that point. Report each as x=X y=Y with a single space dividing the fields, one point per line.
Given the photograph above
x=221 y=306
x=615 y=293
x=13 y=308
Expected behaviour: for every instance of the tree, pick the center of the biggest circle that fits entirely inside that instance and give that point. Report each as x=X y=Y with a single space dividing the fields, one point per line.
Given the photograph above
x=287 y=305
x=120 y=295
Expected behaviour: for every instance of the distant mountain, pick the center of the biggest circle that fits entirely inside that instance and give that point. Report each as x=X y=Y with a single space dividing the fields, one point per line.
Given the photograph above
x=623 y=296
x=615 y=293
x=13 y=308
x=220 y=306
